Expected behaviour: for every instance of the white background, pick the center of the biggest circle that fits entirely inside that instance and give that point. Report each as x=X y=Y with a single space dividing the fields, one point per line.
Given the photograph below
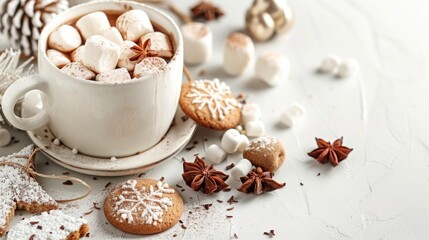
x=380 y=192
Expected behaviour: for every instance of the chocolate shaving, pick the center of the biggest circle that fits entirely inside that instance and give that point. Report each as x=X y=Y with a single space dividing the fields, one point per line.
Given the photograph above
x=94 y=178
x=183 y=226
x=177 y=185
x=229 y=216
x=141 y=175
x=184 y=118
x=95 y=205
x=302 y=184
x=174 y=235
x=235 y=236
x=66 y=173
x=33 y=223
x=318 y=174
x=32 y=237
x=231 y=200
x=230 y=209
x=219 y=201
x=87 y=213
x=68 y=182
x=39 y=227
x=108 y=185
x=161 y=179
x=62 y=227
x=207 y=206
x=227 y=189
x=270 y=233
x=230 y=166
x=180 y=221
x=190 y=148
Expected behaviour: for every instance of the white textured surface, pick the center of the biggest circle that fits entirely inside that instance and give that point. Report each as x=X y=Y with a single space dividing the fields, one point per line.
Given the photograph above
x=380 y=192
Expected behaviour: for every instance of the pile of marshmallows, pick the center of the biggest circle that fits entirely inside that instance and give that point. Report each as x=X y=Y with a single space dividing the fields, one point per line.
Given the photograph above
x=239 y=54
x=106 y=53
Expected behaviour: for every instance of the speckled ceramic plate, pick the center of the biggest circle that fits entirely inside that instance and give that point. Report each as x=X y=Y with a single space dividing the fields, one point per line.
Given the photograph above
x=177 y=137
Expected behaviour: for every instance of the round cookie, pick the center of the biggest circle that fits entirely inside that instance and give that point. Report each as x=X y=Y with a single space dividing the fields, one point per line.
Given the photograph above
x=143 y=206
x=211 y=104
x=266 y=152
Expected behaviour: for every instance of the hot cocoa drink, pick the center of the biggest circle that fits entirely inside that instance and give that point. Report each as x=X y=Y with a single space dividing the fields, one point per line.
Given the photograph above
x=111 y=47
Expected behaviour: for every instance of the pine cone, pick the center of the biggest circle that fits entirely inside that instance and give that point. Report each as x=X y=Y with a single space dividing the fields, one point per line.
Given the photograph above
x=22 y=21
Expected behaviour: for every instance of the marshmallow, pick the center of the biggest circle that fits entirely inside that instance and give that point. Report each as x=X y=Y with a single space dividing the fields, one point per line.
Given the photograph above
x=215 y=154
x=75 y=151
x=272 y=68
x=113 y=35
x=101 y=54
x=126 y=55
x=292 y=114
x=238 y=53
x=133 y=24
x=77 y=54
x=59 y=59
x=57 y=141
x=347 y=68
x=197 y=41
x=160 y=44
x=78 y=70
x=149 y=66
x=250 y=112
x=255 y=129
x=65 y=39
x=231 y=141
x=330 y=64
x=92 y=24
x=5 y=137
x=118 y=75
x=243 y=143
x=242 y=168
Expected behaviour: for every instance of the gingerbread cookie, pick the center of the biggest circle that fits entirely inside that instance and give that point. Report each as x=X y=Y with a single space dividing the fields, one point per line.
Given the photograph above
x=19 y=190
x=143 y=206
x=210 y=103
x=265 y=152
x=49 y=225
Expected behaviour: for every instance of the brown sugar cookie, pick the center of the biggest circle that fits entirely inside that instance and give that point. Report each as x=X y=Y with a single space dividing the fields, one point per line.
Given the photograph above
x=50 y=225
x=143 y=206
x=19 y=190
x=266 y=152
x=210 y=103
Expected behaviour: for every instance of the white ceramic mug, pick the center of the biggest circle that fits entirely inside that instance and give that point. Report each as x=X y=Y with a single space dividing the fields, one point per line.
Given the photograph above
x=96 y=118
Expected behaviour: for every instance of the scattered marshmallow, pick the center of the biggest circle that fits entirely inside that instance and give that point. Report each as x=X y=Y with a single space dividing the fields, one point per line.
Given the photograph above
x=243 y=143
x=75 y=151
x=272 y=68
x=77 y=54
x=255 y=128
x=92 y=24
x=231 y=141
x=330 y=63
x=5 y=137
x=57 y=141
x=197 y=41
x=58 y=58
x=113 y=35
x=292 y=114
x=149 y=66
x=133 y=24
x=215 y=154
x=238 y=53
x=101 y=54
x=239 y=128
x=118 y=75
x=347 y=68
x=78 y=70
x=126 y=55
x=113 y=159
x=242 y=168
x=250 y=112
x=160 y=44
x=65 y=39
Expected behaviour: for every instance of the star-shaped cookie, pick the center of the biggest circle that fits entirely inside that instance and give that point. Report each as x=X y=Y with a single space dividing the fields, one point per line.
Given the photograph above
x=20 y=190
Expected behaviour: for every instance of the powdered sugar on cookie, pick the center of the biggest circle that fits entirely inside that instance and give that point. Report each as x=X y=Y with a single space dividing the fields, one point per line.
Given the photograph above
x=142 y=205
x=19 y=190
x=49 y=225
x=214 y=95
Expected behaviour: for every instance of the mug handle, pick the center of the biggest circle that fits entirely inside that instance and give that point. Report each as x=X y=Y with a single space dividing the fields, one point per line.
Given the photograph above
x=16 y=91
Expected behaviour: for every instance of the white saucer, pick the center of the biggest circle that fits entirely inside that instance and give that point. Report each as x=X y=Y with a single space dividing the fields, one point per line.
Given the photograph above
x=175 y=140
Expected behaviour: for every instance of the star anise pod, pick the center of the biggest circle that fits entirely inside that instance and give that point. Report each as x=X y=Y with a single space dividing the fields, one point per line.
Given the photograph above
x=258 y=181
x=206 y=10
x=198 y=175
x=327 y=152
x=142 y=50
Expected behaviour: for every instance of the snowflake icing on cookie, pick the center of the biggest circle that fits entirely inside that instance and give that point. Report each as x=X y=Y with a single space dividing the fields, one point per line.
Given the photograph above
x=215 y=95
x=147 y=204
